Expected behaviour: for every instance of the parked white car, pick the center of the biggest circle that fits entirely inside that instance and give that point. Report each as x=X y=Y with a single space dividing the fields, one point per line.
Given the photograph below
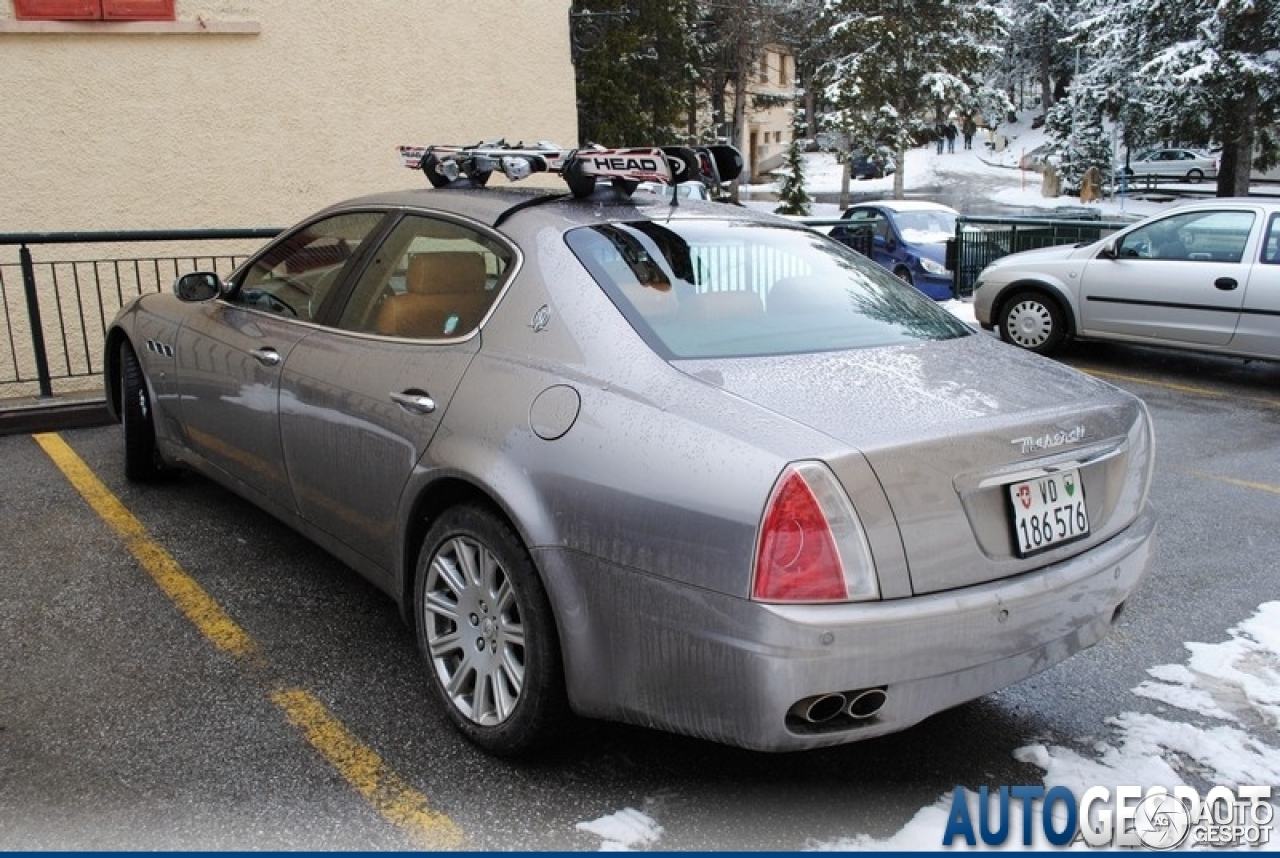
x=1190 y=165
x=1202 y=276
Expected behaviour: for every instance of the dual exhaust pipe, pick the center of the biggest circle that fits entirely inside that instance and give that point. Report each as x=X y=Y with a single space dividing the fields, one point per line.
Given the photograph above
x=858 y=705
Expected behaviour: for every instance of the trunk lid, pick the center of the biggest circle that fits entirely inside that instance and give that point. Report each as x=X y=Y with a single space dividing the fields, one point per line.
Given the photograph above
x=947 y=427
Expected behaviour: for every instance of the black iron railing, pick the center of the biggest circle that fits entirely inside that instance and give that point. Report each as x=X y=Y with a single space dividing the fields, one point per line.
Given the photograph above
x=55 y=309
x=980 y=241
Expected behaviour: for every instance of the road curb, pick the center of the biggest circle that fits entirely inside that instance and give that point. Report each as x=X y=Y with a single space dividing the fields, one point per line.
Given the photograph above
x=49 y=416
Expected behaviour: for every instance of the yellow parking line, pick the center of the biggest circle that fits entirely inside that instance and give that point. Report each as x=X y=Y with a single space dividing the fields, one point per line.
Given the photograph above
x=1244 y=484
x=397 y=802
x=203 y=612
x=365 y=770
x=1181 y=388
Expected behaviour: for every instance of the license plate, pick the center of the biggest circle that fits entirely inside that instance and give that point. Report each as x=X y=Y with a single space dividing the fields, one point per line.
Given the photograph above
x=1048 y=511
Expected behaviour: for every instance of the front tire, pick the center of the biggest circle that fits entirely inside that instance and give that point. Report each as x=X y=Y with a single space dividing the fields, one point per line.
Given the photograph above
x=1033 y=321
x=486 y=630
x=904 y=275
x=142 y=461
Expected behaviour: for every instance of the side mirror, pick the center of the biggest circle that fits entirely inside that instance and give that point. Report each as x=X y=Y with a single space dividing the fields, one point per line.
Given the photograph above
x=197 y=286
x=1108 y=251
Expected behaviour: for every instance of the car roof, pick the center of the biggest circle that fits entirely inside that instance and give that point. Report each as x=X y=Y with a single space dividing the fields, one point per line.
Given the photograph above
x=493 y=205
x=908 y=206
x=1270 y=204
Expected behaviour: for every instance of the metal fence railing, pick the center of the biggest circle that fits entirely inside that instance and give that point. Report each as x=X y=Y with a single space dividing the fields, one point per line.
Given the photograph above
x=55 y=305
x=981 y=240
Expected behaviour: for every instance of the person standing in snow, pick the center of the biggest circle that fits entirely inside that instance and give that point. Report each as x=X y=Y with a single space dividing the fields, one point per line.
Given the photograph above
x=949 y=131
x=969 y=129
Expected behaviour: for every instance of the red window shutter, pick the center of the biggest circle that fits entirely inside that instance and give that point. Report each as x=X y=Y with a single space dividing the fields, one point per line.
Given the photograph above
x=137 y=10
x=57 y=10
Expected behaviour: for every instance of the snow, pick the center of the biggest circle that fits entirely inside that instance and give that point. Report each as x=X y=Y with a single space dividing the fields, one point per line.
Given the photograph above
x=924 y=167
x=622 y=830
x=920 y=236
x=1222 y=685
x=1235 y=681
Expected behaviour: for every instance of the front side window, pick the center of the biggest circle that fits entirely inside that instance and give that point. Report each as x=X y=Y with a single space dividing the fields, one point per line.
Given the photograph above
x=431 y=279
x=700 y=289
x=295 y=275
x=1201 y=236
x=864 y=225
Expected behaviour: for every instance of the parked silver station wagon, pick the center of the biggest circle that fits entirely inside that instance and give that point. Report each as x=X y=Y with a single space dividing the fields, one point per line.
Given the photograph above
x=689 y=467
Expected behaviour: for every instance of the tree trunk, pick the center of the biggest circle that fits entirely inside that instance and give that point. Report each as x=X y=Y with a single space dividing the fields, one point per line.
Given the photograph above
x=741 y=79
x=1236 y=166
x=899 y=174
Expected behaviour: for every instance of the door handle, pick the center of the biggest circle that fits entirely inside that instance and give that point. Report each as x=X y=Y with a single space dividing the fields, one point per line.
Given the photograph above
x=1226 y=284
x=266 y=357
x=415 y=401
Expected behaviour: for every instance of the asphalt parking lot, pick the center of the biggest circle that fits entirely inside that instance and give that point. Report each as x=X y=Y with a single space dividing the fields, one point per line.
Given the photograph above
x=183 y=672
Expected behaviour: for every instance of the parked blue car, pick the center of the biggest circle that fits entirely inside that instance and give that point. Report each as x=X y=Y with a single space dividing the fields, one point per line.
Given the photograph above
x=908 y=237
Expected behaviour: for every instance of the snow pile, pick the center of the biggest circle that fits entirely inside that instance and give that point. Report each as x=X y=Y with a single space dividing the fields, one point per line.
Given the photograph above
x=623 y=830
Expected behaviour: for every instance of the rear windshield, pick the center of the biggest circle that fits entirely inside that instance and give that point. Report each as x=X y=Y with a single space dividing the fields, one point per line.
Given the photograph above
x=725 y=289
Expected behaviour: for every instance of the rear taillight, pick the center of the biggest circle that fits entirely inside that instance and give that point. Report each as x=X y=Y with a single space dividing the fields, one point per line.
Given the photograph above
x=811 y=546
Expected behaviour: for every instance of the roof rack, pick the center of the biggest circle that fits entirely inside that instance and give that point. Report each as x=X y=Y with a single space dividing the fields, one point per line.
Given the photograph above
x=471 y=166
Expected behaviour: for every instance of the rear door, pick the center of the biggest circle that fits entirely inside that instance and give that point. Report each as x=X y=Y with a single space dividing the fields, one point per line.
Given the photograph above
x=362 y=399
x=1259 y=329
x=1179 y=279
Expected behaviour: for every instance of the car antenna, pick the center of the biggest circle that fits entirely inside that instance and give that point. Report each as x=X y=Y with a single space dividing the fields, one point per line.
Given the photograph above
x=524 y=204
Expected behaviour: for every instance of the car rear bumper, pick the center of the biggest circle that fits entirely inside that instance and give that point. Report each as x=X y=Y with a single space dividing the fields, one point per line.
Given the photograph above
x=649 y=651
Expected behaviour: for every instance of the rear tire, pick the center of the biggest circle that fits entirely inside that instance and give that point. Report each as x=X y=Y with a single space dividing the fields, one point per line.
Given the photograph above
x=142 y=462
x=1033 y=321
x=1195 y=177
x=485 y=627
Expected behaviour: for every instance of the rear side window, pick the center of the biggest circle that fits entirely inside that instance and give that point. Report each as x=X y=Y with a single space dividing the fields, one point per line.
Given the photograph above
x=431 y=279
x=1271 y=245
x=707 y=289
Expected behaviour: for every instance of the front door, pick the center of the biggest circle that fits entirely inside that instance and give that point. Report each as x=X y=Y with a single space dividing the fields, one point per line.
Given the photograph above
x=1180 y=279
x=230 y=356
x=228 y=360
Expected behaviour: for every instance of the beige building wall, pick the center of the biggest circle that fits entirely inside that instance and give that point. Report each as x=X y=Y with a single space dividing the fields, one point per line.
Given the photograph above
x=767 y=132
x=257 y=112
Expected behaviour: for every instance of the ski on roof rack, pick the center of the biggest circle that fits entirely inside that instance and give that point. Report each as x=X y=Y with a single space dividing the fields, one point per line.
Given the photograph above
x=581 y=169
